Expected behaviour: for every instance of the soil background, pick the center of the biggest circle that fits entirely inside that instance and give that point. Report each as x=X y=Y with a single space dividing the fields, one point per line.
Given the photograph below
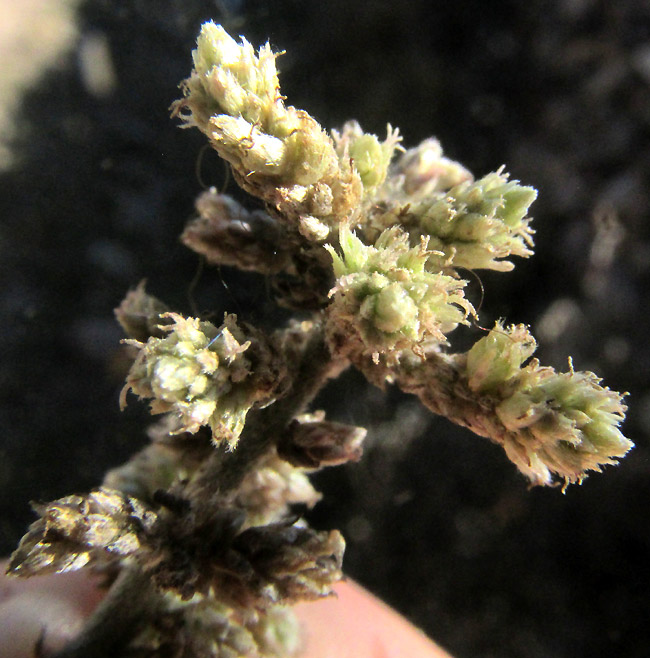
x=97 y=183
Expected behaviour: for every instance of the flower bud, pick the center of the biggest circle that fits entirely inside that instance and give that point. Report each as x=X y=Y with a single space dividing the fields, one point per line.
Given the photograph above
x=370 y=157
x=497 y=357
x=227 y=234
x=266 y=492
x=246 y=147
x=140 y=314
x=423 y=170
x=312 y=442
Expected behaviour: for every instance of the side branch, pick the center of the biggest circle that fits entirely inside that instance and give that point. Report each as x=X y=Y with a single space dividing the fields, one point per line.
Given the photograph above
x=225 y=469
x=550 y=424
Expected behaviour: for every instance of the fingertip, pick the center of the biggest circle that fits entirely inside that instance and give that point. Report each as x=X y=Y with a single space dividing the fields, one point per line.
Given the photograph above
x=28 y=618
x=356 y=624
x=51 y=609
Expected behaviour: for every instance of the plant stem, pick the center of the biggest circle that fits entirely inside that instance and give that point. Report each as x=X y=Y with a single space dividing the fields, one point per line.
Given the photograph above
x=133 y=598
x=224 y=469
x=443 y=388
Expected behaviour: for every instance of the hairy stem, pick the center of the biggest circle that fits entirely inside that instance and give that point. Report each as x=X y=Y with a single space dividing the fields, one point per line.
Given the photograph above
x=441 y=385
x=133 y=598
x=445 y=391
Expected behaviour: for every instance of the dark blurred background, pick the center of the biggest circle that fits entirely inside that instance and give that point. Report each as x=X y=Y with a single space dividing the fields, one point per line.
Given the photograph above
x=97 y=183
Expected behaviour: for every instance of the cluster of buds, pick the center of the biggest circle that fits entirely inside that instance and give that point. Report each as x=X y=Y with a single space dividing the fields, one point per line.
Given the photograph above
x=471 y=224
x=204 y=376
x=557 y=423
x=385 y=301
x=313 y=442
x=478 y=224
x=210 y=629
x=474 y=224
x=563 y=423
x=193 y=551
x=228 y=234
x=277 y=153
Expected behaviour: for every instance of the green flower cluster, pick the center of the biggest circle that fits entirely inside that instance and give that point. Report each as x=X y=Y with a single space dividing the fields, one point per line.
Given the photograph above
x=476 y=224
x=200 y=374
x=207 y=628
x=563 y=423
x=386 y=299
x=278 y=153
x=230 y=79
x=213 y=531
x=370 y=157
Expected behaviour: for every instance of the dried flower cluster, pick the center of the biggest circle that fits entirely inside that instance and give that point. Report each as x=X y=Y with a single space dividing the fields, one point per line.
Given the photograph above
x=370 y=242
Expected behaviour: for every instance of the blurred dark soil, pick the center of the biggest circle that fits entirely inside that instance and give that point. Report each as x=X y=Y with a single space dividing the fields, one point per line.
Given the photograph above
x=439 y=523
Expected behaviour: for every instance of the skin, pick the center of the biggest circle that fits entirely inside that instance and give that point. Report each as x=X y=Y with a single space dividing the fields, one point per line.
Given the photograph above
x=51 y=609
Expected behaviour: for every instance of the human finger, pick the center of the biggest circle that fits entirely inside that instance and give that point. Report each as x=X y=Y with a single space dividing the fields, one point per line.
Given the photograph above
x=46 y=611
x=51 y=610
x=356 y=624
